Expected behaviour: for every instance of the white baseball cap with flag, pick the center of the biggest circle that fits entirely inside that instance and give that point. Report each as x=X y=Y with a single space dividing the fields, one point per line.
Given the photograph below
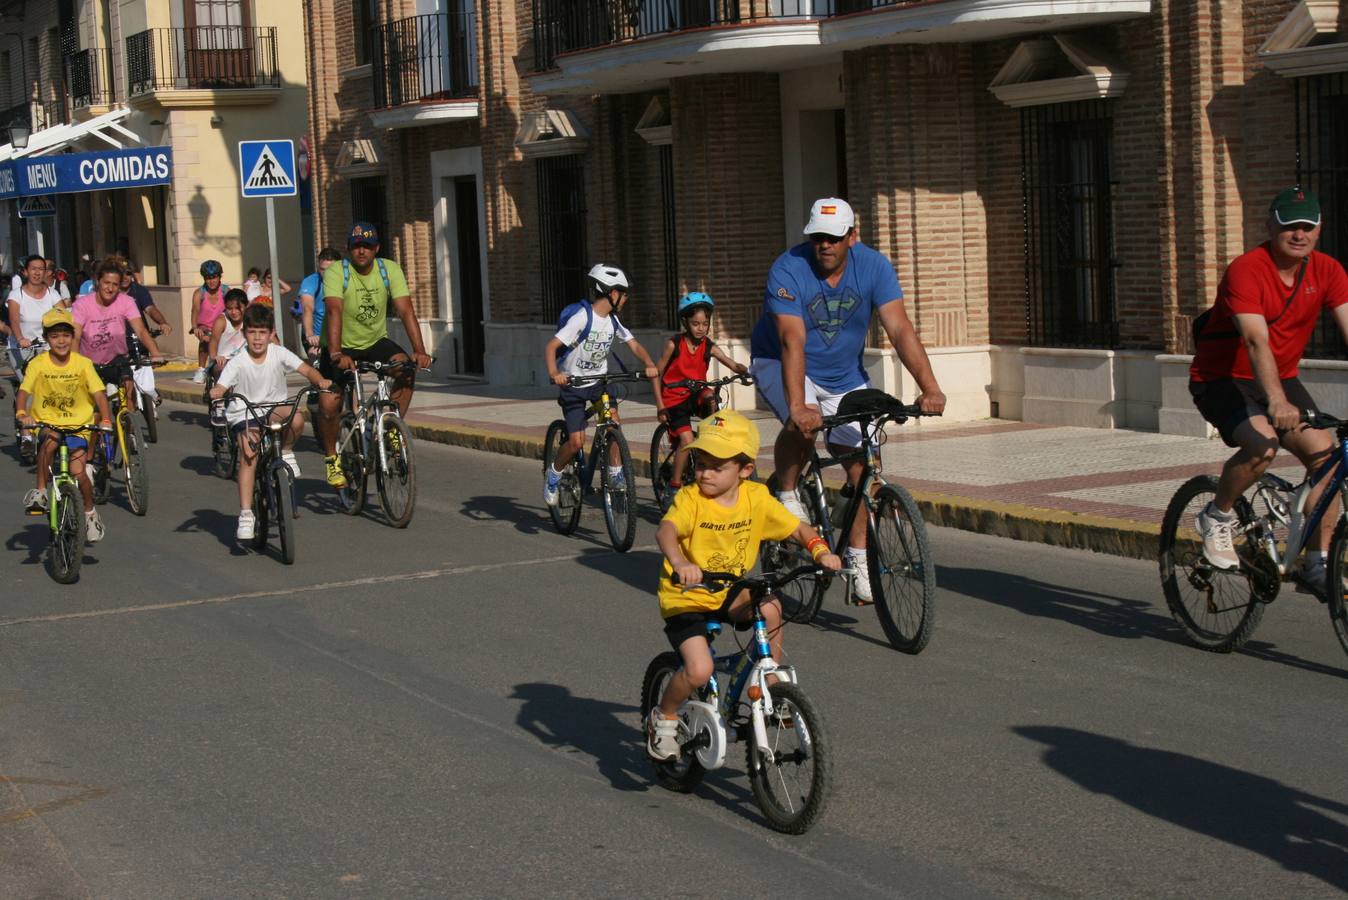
x=830 y=216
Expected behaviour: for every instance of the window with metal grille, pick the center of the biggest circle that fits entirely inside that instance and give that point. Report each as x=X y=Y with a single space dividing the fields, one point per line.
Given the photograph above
x=561 y=232
x=1322 y=166
x=669 y=234
x=369 y=204
x=364 y=17
x=1069 y=227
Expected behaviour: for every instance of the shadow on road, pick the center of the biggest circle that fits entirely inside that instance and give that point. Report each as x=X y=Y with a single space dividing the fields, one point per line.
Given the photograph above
x=1290 y=827
x=189 y=417
x=638 y=569
x=1105 y=614
x=528 y=519
x=202 y=465
x=33 y=538
x=569 y=723
x=214 y=522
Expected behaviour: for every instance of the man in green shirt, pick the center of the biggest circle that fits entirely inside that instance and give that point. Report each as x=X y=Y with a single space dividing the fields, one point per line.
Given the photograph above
x=356 y=295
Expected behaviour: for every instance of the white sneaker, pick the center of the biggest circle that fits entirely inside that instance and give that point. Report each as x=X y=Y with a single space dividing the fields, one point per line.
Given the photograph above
x=662 y=737
x=861 y=583
x=288 y=457
x=35 y=502
x=1218 y=544
x=552 y=482
x=791 y=500
x=247 y=526
x=200 y=377
x=1312 y=577
x=93 y=527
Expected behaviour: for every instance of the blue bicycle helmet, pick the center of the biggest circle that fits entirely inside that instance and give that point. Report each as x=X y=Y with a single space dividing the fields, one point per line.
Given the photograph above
x=694 y=300
x=210 y=268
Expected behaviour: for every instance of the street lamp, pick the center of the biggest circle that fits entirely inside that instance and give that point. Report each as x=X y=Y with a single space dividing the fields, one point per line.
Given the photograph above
x=18 y=135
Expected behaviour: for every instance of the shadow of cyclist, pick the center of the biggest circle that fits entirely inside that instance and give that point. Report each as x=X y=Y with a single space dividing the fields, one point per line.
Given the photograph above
x=34 y=538
x=214 y=522
x=595 y=728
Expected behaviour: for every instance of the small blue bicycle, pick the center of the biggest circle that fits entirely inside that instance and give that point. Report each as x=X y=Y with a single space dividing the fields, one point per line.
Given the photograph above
x=1220 y=609
x=789 y=756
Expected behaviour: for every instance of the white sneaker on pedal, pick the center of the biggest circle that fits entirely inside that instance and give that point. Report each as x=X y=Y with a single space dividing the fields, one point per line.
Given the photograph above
x=791 y=500
x=247 y=529
x=35 y=502
x=93 y=527
x=199 y=377
x=288 y=457
x=662 y=737
x=861 y=582
x=1217 y=533
x=552 y=482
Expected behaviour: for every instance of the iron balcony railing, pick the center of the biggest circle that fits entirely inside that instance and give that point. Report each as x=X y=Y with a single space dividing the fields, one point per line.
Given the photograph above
x=35 y=115
x=430 y=57
x=204 y=56
x=91 y=77
x=563 y=26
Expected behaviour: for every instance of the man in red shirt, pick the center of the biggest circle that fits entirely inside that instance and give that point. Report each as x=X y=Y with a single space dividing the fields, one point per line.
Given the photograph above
x=1244 y=374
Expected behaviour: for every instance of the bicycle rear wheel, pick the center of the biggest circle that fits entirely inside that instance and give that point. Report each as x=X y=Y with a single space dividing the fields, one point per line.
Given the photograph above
x=566 y=514
x=351 y=456
x=792 y=785
x=663 y=447
x=262 y=508
x=620 y=508
x=801 y=598
x=137 y=472
x=1338 y=571
x=66 y=551
x=684 y=774
x=223 y=451
x=1217 y=609
x=282 y=488
x=396 y=476
x=903 y=577
x=100 y=457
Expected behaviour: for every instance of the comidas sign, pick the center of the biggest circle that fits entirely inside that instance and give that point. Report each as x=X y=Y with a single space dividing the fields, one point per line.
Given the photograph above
x=69 y=173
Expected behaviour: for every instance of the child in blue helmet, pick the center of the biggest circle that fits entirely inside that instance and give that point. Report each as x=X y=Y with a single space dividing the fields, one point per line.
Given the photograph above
x=688 y=356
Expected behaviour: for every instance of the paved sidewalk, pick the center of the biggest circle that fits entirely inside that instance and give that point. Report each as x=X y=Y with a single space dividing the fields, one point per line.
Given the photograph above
x=1079 y=487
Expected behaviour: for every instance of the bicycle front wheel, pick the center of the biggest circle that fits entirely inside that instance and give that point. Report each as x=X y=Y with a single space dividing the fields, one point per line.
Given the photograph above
x=791 y=784
x=283 y=492
x=663 y=447
x=903 y=577
x=620 y=512
x=351 y=456
x=1217 y=609
x=100 y=455
x=151 y=414
x=566 y=512
x=395 y=476
x=262 y=508
x=1334 y=587
x=66 y=551
x=137 y=472
x=223 y=451
x=681 y=775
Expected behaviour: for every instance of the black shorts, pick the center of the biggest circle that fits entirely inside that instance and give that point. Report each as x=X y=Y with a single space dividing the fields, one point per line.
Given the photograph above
x=682 y=626
x=680 y=415
x=114 y=371
x=381 y=350
x=1230 y=402
x=575 y=404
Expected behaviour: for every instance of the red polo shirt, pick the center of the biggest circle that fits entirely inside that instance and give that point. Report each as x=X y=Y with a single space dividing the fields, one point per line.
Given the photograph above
x=1252 y=285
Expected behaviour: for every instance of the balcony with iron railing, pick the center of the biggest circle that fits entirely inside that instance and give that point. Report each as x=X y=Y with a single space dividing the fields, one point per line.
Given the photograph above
x=424 y=69
x=90 y=73
x=35 y=115
x=591 y=46
x=232 y=63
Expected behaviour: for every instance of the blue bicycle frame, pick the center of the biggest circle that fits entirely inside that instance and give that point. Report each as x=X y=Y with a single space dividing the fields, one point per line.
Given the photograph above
x=1299 y=528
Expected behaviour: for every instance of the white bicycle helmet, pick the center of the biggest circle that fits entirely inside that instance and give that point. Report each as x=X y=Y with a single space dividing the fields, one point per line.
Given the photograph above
x=605 y=278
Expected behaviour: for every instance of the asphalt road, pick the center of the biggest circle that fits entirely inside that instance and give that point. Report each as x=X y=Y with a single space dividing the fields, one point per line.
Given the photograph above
x=451 y=710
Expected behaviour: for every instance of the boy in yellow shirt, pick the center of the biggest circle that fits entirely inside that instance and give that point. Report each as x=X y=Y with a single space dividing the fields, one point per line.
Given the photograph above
x=717 y=524
x=61 y=388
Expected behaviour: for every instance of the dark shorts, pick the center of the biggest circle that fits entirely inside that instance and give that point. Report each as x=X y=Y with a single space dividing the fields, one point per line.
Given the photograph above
x=74 y=442
x=382 y=350
x=682 y=626
x=115 y=371
x=575 y=404
x=1230 y=402
x=680 y=416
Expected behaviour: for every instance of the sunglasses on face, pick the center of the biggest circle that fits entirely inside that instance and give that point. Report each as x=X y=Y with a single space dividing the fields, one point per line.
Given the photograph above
x=828 y=238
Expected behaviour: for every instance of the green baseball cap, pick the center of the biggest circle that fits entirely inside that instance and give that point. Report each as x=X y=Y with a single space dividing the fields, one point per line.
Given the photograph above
x=1295 y=205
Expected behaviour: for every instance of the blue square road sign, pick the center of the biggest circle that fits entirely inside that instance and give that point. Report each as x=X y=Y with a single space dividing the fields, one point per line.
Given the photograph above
x=267 y=168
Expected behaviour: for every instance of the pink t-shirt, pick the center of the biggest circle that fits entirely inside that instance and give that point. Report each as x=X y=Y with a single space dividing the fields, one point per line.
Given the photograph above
x=103 y=328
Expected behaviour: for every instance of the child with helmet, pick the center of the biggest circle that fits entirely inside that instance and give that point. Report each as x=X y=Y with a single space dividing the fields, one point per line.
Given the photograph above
x=688 y=356
x=208 y=304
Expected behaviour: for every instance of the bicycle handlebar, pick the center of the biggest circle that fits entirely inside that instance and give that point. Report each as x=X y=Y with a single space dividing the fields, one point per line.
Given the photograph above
x=605 y=378
x=266 y=408
x=768 y=581
x=894 y=411
x=66 y=430
x=694 y=384
x=1323 y=420
x=366 y=366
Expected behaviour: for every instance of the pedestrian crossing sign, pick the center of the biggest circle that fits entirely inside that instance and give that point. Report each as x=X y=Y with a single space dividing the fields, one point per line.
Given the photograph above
x=267 y=168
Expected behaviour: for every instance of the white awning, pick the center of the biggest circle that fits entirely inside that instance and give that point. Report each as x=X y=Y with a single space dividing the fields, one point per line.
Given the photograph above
x=57 y=138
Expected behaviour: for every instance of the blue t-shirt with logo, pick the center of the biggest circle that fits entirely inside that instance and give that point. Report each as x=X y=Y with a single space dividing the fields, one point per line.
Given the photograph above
x=836 y=319
x=313 y=284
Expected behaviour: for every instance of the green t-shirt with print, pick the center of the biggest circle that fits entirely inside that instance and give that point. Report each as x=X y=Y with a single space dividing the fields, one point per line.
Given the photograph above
x=364 y=300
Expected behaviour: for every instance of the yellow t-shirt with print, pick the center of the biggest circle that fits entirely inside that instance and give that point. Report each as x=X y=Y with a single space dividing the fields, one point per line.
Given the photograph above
x=62 y=395
x=721 y=539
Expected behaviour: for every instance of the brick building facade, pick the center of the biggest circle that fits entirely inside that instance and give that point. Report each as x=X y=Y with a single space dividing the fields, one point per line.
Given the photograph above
x=1060 y=192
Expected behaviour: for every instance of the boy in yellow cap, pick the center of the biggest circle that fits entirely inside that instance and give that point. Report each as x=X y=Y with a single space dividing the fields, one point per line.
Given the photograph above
x=61 y=388
x=717 y=524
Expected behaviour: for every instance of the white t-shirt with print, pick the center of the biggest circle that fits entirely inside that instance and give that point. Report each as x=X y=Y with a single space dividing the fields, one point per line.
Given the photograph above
x=591 y=356
x=31 y=311
x=261 y=381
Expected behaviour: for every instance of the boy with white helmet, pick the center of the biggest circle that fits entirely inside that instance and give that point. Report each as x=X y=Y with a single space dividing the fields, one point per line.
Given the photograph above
x=581 y=347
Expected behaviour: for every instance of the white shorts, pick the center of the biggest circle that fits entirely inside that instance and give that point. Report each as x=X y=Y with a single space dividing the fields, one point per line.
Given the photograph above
x=768 y=379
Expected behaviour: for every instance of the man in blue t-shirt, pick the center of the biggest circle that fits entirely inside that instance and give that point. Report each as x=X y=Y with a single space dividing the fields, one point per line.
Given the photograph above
x=807 y=349
x=309 y=308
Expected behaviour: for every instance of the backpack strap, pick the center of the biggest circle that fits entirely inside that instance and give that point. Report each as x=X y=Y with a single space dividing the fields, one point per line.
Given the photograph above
x=1200 y=322
x=346 y=275
x=383 y=273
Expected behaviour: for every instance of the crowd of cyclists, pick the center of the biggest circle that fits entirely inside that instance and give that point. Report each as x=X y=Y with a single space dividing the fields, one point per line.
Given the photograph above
x=806 y=356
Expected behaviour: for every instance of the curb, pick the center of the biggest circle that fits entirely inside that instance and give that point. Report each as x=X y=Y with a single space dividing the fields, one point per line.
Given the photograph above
x=1100 y=534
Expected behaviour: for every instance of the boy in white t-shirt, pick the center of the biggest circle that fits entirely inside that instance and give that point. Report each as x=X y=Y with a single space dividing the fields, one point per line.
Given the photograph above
x=260 y=375
x=587 y=354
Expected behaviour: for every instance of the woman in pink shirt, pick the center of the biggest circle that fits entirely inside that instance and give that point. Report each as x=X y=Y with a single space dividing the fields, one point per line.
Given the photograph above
x=101 y=319
x=208 y=304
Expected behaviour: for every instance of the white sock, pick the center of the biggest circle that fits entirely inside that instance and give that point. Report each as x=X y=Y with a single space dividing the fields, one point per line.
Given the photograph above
x=555 y=472
x=857 y=554
x=786 y=495
x=615 y=471
x=1218 y=514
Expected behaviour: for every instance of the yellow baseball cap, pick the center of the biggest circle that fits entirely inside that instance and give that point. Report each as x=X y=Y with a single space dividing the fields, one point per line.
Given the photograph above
x=727 y=434
x=56 y=318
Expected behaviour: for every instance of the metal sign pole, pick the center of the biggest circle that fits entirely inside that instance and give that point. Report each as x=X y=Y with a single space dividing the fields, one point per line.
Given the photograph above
x=275 y=275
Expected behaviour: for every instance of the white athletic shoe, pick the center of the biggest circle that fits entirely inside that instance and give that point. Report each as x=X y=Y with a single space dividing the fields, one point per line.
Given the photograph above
x=1218 y=542
x=247 y=529
x=288 y=457
x=861 y=583
x=199 y=377
x=791 y=500
x=552 y=482
x=93 y=527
